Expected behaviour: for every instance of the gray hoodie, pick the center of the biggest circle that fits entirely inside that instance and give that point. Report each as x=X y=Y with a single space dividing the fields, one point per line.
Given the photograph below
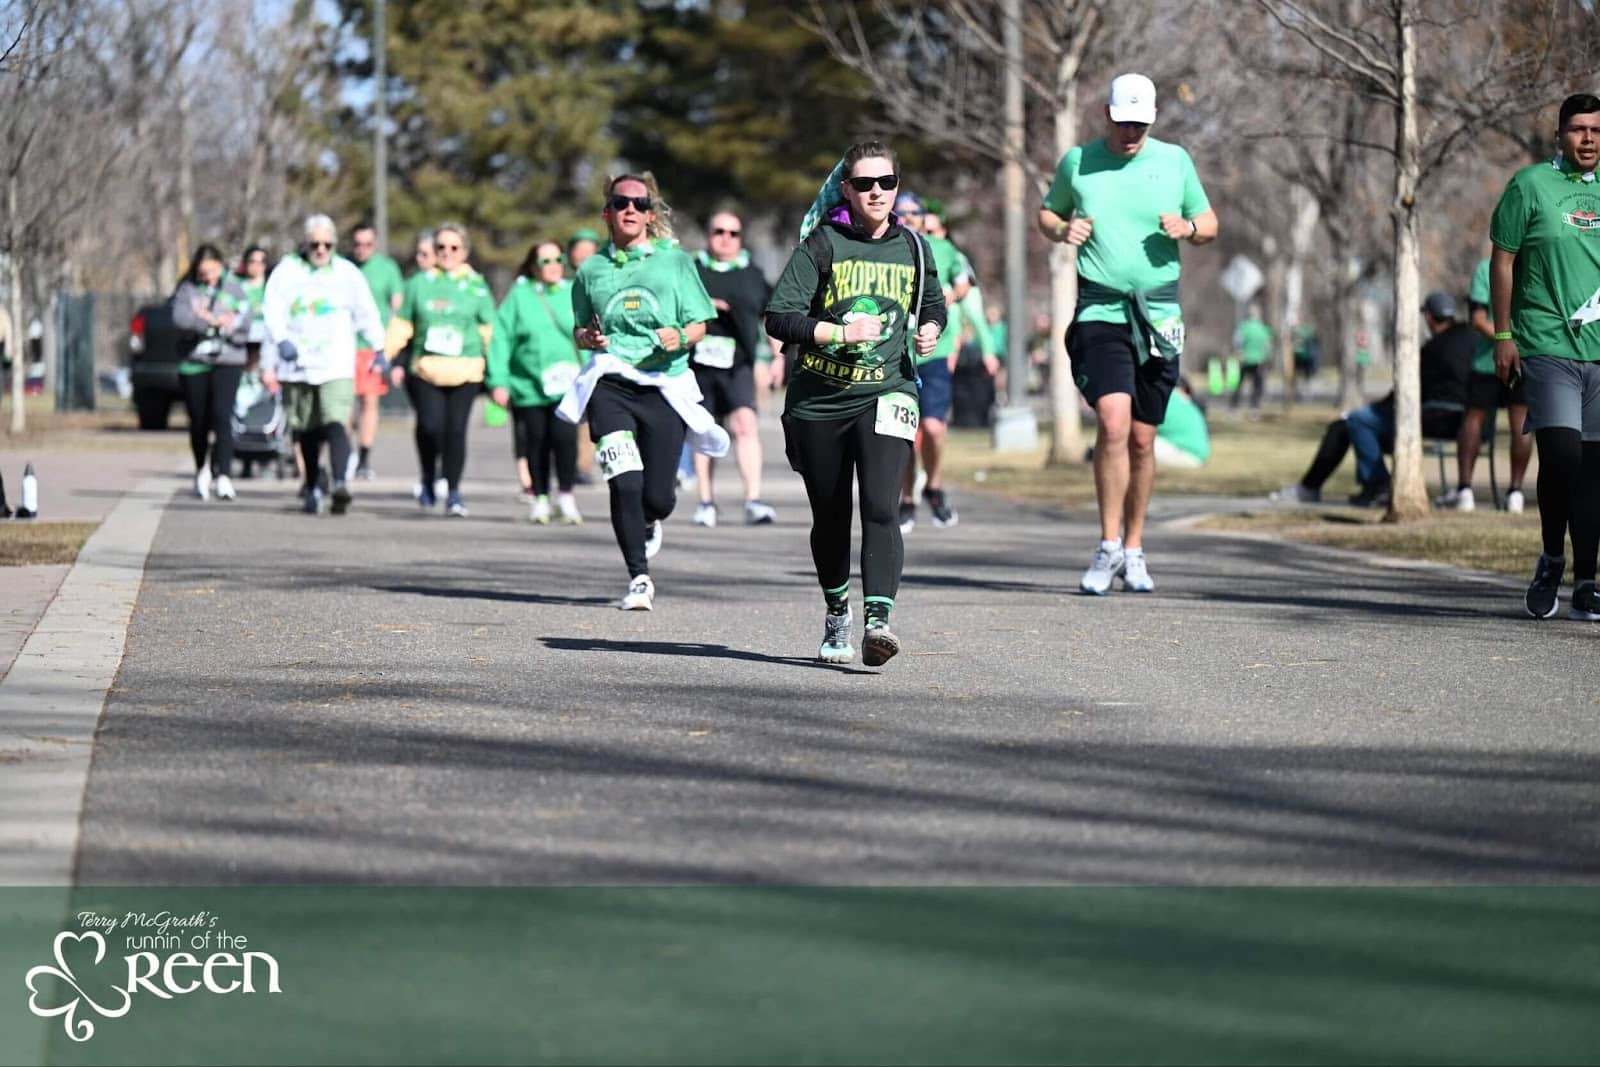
x=198 y=341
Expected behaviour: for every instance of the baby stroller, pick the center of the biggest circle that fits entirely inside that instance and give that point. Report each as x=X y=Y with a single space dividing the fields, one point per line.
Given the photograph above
x=258 y=428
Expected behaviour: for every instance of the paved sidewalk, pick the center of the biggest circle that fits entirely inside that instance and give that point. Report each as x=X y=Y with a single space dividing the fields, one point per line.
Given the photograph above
x=394 y=697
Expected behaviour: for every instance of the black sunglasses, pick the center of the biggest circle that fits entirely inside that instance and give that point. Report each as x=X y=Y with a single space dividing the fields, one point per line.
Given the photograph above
x=547 y=260
x=640 y=203
x=724 y=233
x=315 y=245
x=882 y=181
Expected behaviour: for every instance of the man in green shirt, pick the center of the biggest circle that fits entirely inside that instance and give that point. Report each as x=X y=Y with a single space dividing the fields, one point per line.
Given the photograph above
x=1252 y=343
x=934 y=372
x=1485 y=394
x=383 y=278
x=1125 y=201
x=1544 y=282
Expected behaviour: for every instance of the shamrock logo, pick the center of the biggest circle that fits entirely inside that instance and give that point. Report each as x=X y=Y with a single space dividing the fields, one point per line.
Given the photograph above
x=77 y=1029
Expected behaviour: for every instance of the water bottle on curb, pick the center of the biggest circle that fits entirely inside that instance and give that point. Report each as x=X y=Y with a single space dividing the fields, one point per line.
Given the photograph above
x=29 y=508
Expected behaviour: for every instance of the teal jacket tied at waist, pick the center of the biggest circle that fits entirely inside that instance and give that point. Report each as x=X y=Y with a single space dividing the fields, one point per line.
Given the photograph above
x=1136 y=305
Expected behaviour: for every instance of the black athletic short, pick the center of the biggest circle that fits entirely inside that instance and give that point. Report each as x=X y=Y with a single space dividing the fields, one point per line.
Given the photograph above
x=726 y=389
x=1104 y=362
x=1489 y=393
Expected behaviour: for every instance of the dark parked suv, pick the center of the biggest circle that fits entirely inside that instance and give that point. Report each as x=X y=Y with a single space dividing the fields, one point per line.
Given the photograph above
x=153 y=364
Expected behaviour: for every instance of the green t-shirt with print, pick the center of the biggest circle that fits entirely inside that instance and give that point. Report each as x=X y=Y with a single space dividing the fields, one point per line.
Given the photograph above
x=637 y=291
x=1253 y=341
x=532 y=353
x=1125 y=198
x=383 y=278
x=871 y=277
x=445 y=311
x=1550 y=218
x=1483 y=355
x=948 y=259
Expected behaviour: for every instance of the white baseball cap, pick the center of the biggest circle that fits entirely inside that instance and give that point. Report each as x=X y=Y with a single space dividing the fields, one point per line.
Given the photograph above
x=1133 y=99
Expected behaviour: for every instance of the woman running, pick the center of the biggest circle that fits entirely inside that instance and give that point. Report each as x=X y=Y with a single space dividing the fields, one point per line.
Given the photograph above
x=443 y=329
x=640 y=307
x=213 y=315
x=852 y=293
x=532 y=363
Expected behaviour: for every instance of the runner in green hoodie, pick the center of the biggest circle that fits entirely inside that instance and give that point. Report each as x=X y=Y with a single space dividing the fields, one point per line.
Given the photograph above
x=847 y=297
x=532 y=362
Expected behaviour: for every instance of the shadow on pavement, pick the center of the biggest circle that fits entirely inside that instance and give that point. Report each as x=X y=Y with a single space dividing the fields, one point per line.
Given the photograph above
x=495 y=594
x=695 y=649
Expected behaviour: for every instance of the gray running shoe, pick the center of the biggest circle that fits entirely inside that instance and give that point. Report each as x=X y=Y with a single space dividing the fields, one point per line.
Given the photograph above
x=836 y=647
x=880 y=645
x=1585 y=603
x=759 y=513
x=1544 y=593
x=1134 y=574
x=1106 y=565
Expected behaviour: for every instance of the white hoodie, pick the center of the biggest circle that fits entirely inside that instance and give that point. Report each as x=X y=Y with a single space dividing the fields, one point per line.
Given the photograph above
x=319 y=310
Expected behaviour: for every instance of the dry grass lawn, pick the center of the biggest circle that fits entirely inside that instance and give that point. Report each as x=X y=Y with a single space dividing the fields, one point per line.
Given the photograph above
x=1250 y=457
x=25 y=542
x=111 y=427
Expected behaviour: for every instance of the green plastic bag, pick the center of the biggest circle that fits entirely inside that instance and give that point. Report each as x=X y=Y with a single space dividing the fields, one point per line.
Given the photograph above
x=494 y=414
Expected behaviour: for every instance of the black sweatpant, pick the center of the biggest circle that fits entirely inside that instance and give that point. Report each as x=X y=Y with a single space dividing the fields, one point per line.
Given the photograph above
x=441 y=431
x=1569 y=497
x=543 y=437
x=825 y=453
x=208 y=399
x=638 y=498
x=311 y=442
x=1250 y=373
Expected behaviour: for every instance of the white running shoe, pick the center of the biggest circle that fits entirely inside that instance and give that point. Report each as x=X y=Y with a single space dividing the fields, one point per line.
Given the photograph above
x=1106 y=565
x=1465 y=500
x=652 y=540
x=567 y=506
x=759 y=513
x=202 y=483
x=1134 y=574
x=441 y=488
x=539 y=511
x=836 y=647
x=706 y=515
x=223 y=487
x=1514 y=502
x=641 y=595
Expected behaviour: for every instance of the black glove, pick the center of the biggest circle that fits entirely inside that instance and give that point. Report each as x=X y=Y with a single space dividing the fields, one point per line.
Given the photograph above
x=287 y=352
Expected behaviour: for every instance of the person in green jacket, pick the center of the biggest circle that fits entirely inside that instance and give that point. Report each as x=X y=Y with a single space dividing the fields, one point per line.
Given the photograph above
x=533 y=361
x=440 y=341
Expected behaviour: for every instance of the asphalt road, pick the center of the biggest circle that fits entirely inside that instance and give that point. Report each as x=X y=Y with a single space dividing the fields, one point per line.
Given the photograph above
x=399 y=698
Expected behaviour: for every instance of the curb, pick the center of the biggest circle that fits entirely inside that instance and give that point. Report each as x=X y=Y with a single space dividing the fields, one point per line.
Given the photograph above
x=52 y=698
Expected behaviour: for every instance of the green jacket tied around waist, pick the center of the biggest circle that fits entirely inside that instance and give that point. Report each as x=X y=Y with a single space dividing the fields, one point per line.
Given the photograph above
x=1147 y=339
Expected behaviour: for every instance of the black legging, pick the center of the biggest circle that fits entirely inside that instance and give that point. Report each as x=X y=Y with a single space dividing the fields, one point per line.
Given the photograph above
x=311 y=442
x=1569 y=497
x=638 y=498
x=543 y=436
x=441 y=431
x=825 y=452
x=1250 y=372
x=208 y=398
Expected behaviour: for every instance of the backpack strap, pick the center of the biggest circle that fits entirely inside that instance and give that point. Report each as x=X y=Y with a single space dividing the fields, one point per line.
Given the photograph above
x=821 y=248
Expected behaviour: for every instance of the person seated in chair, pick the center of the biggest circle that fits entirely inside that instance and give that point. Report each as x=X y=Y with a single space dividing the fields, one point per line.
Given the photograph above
x=1445 y=367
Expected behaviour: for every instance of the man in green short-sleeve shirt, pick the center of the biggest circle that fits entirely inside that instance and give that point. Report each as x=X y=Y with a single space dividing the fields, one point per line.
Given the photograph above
x=1544 y=287
x=1125 y=201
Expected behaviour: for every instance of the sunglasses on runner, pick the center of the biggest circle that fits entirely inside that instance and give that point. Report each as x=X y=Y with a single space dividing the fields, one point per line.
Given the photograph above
x=724 y=233
x=547 y=260
x=617 y=202
x=447 y=248
x=317 y=246
x=866 y=182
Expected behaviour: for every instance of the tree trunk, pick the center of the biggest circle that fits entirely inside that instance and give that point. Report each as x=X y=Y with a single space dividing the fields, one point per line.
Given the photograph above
x=1349 y=309
x=18 y=349
x=1409 y=498
x=1300 y=238
x=1066 y=428
x=185 y=174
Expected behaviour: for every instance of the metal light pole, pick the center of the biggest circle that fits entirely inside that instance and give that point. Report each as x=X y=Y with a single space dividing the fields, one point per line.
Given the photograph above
x=1015 y=427
x=380 y=133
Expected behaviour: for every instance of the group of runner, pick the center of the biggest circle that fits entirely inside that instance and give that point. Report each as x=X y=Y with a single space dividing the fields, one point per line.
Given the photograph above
x=866 y=301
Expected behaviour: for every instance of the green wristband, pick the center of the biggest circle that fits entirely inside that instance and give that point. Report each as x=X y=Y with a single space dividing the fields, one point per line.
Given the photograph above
x=683 y=338
x=1503 y=336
